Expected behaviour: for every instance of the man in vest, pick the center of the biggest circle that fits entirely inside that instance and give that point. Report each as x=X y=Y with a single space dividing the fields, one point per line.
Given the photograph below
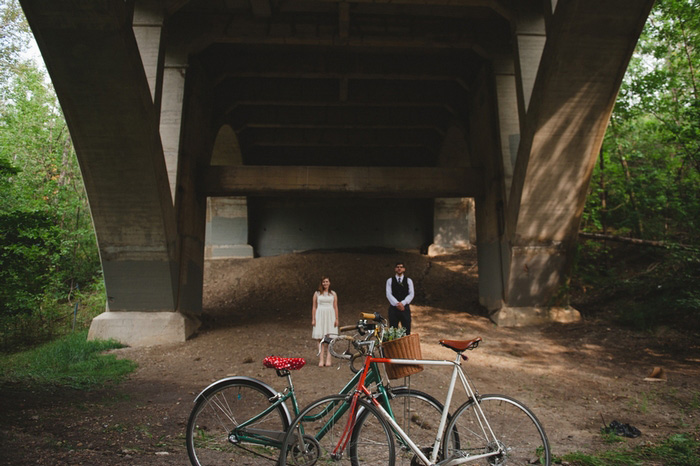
x=399 y=292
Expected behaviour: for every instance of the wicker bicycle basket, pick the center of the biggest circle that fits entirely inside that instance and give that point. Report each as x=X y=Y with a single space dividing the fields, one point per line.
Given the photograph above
x=407 y=347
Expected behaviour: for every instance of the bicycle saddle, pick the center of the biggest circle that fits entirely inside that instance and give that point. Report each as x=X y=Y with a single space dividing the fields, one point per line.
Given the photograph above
x=461 y=345
x=276 y=362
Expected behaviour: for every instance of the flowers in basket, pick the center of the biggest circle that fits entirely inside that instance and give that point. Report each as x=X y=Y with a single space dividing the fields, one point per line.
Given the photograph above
x=394 y=333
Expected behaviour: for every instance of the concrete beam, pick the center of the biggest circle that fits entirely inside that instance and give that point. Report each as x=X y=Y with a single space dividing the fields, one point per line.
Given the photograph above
x=414 y=182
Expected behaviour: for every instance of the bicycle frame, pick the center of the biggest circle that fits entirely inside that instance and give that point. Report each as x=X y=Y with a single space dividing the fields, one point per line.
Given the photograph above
x=456 y=371
x=263 y=437
x=267 y=438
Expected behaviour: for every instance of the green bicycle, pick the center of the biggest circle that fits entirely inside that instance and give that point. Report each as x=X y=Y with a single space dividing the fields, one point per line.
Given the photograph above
x=241 y=420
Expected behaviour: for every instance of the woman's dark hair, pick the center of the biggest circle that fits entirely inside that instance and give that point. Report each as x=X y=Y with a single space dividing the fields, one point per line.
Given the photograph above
x=320 y=285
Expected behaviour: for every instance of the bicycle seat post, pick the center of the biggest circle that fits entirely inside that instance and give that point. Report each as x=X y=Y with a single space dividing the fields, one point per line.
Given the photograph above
x=288 y=375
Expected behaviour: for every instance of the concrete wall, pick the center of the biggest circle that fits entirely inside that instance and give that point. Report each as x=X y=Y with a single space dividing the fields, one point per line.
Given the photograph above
x=280 y=226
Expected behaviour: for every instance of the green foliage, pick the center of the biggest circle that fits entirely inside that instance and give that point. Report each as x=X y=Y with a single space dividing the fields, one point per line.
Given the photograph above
x=70 y=361
x=47 y=242
x=677 y=450
x=394 y=333
x=647 y=182
x=14 y=37
x=644 y=287
x=52 y=317
x=29 y=247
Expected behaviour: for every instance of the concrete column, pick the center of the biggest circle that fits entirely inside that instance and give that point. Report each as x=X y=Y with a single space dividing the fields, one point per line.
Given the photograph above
x=148 y=26
x=508 y=116
x=489 y=206
x=227 y=217
x=197 y=141
x=530 y=38
x=227 y=228
x=174 y=74
x=453 y=225
x=125 y=177
x=568 y=112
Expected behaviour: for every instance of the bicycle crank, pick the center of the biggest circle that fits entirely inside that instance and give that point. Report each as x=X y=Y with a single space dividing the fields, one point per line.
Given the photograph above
x=310 y=453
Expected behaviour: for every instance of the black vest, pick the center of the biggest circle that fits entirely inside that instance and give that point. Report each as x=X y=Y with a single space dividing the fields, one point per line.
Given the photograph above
x=399 y=291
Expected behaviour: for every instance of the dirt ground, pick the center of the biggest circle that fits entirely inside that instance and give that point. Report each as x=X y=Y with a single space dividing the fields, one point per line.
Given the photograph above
x=574 y=377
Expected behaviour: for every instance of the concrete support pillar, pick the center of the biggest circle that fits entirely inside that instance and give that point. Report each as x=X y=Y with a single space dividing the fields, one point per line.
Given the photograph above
x=197 y=141
x=148 y=26
x=508 y=117
x=114 y=123
x=174 y=74
x=568 y=112
x=453 y=225
x=489 y=206
x=530 y=38
x=227 y=228
x=227 y=217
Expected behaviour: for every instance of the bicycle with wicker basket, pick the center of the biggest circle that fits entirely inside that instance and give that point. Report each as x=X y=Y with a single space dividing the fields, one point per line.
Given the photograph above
x=356 y=429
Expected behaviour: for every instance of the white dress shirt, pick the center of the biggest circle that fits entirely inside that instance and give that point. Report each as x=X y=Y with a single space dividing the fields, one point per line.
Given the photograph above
x=390 y=296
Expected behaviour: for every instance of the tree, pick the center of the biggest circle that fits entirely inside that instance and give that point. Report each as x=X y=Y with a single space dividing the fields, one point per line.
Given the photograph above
x=649 y=172
x=47 y=242
x=14 y=37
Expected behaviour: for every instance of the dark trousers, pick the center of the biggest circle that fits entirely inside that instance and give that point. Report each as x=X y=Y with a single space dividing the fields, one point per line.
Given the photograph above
x=396 y=316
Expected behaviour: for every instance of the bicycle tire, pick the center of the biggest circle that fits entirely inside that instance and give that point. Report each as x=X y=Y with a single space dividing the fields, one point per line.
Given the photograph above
x=316 y=432
x=341 y=347
x=418 y=414
x=219 y=409
x=516 y=427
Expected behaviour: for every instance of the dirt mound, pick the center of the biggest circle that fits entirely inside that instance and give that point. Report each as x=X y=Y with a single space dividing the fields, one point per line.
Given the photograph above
x=270 y=287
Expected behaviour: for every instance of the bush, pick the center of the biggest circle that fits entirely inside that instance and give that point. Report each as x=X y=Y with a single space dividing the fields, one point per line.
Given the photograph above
x=642 y=287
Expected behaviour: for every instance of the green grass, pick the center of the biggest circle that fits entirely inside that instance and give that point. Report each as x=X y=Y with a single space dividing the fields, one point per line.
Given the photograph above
x=677 y=450
x=69 y=361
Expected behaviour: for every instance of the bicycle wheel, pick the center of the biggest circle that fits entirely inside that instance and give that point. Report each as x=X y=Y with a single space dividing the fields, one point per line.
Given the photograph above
x=518 y=432
x=211 y=438
x=418 y=414
x=315 y=434
x=341 y=347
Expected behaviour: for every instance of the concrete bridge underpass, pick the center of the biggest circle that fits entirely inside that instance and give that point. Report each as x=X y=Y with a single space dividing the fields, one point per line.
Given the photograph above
x=216 y=128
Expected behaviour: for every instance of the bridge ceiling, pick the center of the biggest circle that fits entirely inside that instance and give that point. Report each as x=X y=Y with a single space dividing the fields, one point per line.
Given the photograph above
x=356 y=83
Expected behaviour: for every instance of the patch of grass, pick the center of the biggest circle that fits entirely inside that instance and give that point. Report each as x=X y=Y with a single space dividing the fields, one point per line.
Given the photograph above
x=70 y=361
x=695 y=403
x=677 y=450
x=611 y=437
x=642 y=402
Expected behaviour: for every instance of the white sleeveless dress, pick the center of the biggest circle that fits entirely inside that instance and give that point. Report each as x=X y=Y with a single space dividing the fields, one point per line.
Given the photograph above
x=325 y=316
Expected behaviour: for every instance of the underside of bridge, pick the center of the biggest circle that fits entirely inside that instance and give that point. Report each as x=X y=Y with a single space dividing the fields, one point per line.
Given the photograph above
x=279 y=125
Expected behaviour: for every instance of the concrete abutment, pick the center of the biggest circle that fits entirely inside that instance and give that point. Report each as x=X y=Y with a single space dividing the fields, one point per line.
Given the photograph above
x=140 y=328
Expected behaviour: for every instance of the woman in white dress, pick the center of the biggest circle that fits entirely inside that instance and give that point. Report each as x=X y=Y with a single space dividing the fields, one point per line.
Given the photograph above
x=324 y=318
